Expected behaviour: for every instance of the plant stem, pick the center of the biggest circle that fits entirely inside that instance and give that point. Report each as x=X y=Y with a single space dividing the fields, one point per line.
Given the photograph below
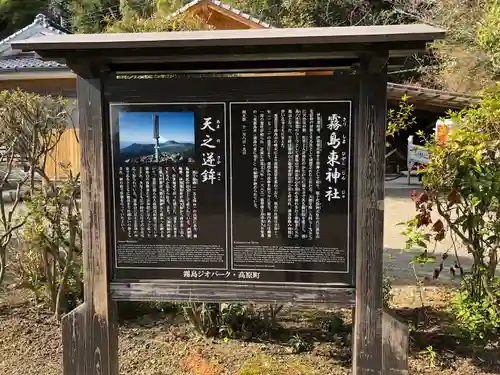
x=67 y=269
x=419 y=284
x=2 y=264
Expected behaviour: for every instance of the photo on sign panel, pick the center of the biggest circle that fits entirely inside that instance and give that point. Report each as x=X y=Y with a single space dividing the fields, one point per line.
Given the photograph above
x=155 y=137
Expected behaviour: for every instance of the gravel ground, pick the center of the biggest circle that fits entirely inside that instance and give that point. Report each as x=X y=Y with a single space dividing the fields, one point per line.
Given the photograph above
x=30 y=344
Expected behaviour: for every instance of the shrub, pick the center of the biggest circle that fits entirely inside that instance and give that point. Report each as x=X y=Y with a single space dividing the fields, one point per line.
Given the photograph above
x=334 y=324
x=50 y=262
x=476 y=319
x=230 y=320
x=30 y=127
x=204 y=317
x=462 y=184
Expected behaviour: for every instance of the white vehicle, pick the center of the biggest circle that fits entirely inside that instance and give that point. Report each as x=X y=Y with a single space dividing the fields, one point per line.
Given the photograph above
x=418 y=155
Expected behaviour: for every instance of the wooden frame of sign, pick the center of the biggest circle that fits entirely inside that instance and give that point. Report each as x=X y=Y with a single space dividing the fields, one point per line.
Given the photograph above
x=233 y=189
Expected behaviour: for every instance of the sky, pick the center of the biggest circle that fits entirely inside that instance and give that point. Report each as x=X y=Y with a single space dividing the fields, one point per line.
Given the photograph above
x=137 y=127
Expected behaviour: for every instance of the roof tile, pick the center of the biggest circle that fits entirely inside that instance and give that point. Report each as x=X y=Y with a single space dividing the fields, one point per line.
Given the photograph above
x=26 y=63
x=12 y=61
x=41 y=24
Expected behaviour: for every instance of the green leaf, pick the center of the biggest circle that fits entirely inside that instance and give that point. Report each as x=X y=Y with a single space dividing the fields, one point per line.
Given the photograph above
x=423 y=259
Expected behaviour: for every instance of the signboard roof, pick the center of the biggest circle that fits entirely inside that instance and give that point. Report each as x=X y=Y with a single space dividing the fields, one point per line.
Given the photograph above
x=328 y=43
x=319 y=35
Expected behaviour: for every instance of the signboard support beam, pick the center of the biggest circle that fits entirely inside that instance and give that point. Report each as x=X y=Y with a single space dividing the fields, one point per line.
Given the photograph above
x=91 y=330
x=370 y=155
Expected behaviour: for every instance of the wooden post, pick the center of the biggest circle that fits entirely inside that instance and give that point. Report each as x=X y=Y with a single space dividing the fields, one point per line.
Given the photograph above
x=394 y=345
x=99 y=344
x=370 y=157
x=73 y=339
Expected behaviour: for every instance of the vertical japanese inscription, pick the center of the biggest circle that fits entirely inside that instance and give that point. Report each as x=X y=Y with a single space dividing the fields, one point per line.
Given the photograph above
x=290 y=184
x=170 y=186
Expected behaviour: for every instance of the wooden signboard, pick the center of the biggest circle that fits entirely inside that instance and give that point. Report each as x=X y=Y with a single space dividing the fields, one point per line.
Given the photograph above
x=233 y=189
x=243 y=194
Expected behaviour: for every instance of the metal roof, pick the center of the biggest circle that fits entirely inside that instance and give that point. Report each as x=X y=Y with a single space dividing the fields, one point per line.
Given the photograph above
x=226 y=7
x=387 y=34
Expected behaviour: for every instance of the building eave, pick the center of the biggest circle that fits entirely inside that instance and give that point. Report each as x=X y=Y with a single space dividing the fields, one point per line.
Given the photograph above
x=431 y=99
x=226 y=9
x=37 y=75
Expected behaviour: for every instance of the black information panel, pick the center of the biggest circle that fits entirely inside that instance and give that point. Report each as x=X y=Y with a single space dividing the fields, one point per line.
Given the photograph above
x=247 y=192
x=170 y=186
x=290 y=189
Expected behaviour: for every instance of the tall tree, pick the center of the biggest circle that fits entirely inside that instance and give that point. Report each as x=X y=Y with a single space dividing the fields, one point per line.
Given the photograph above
x=468 y=60
x=143 y=8
x=153 y=15
x=320 y=13
x=60 y=10
x=91 y=16
x=166 y=7
x=156 y=23
x=15 y=14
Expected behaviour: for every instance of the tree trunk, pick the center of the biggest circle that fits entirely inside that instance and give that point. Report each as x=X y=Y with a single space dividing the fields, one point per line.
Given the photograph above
x=274 y=11
x=67 y=269
x=2 y=264
x=50 y=277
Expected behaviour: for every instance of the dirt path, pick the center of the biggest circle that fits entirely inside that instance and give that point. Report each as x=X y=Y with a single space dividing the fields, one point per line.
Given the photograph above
x=399 y=208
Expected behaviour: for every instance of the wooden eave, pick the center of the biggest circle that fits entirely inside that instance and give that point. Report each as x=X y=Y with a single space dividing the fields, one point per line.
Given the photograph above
x=272 y=48
x=431 y=99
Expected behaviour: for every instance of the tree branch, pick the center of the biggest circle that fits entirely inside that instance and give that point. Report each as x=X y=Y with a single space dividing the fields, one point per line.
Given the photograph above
x=453 y=227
